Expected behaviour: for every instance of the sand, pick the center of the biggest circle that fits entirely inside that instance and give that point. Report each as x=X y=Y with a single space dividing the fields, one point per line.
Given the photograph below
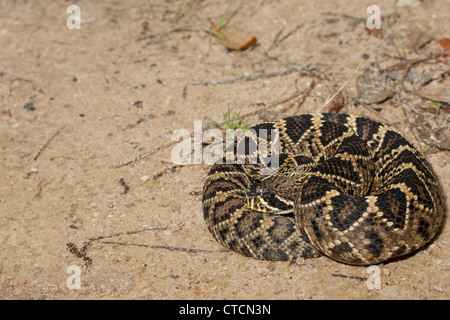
x=89 y=188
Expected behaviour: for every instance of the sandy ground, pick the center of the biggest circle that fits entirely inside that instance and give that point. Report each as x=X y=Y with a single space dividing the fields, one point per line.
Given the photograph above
x=76 y=106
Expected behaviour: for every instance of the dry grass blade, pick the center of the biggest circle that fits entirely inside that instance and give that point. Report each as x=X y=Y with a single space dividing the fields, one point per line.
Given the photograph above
x=438 y=94
x=307 y=70
x=418 y=40
x=144 y=155
x=47 y=142
x=318 y=110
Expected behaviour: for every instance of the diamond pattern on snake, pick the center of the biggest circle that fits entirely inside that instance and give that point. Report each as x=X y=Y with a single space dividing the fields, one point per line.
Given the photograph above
x=346 y=187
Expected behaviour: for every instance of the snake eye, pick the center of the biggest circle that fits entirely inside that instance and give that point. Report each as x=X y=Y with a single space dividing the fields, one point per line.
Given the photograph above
x=255 y=190
x=259 y=191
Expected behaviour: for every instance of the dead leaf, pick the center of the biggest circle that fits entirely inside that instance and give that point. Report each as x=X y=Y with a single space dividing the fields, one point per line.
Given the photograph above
x=337 y=103
x=444 y=44
x=444 y=108
x=377 y=33
x=437 y=94
x=232 y=41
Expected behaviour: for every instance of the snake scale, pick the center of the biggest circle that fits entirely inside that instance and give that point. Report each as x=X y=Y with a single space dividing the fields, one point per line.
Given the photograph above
x=345 y=186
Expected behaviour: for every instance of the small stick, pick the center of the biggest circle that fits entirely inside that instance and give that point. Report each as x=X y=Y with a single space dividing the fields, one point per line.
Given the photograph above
x=253 y=78
x=162 y=172
x=278 y=40
x=48 y=141
x=293 y=96
x=304 y=94
x=117 y=235
x=408 y=63
x=144 y=155
x=340 y=89
x=79 y=253
x=275 y=41
x=161 y=247
x=126 y=187
x=348 y=277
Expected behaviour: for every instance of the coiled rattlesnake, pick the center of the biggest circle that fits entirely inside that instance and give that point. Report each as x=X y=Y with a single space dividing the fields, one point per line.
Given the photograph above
x=347 y=187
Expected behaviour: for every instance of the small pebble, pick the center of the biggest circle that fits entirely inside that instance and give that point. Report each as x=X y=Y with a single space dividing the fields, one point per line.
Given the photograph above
x=29 y=106
x=438 y=288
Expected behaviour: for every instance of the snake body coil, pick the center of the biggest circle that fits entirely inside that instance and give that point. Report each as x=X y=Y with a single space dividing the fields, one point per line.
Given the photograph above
x=347 y=187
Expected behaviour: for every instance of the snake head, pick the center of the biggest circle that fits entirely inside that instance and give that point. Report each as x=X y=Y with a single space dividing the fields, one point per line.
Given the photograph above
x=261 y=199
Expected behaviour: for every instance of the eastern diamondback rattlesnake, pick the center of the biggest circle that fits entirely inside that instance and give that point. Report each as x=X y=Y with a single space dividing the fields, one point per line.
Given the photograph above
x=347 y=187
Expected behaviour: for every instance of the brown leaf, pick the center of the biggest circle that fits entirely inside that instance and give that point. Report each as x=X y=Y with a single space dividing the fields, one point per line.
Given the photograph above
x=232 y=40
x=437 y=94
x=444 y=44
x=377 y=33
x=444 y=108
x=337 y=103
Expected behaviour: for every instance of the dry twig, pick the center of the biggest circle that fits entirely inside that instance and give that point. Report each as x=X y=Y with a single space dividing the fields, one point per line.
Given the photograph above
x=161 y=247
x=278 y=40
x=83 y=249
x=82 y=252
x=318 y=110
x=173 y=168
x=144 y=155
x=47 y=142
x=309 y=69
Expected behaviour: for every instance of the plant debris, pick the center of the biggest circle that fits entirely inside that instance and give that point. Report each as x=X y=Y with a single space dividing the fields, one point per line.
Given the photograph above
x=444 y=44
x=231 y=40
x=437 y=94
x=433 y=130
x=374 y=86
x=337 y=103
x=377 y=33
x=126 y=187
x=418 y=40
x=80 y=253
